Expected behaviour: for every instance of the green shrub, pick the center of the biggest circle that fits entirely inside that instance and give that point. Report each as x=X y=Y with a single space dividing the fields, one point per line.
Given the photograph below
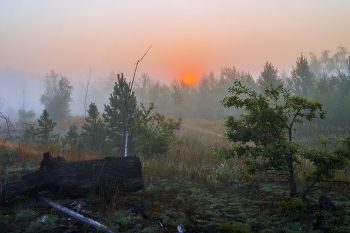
x=124 y=217
x=25 y=215
x=6 y=155
x=48 y=224
x=150 y=229
x=234 y=228
x=4 y=223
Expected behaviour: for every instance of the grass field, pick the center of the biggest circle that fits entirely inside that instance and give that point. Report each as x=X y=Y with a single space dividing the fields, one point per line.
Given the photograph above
x=191 y=188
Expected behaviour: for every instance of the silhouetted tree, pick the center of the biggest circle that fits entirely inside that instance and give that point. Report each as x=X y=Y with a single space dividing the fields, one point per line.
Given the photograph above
x=302 y=78
x=23 y=114
x=177 y=98
x=45 y=128
x=328 y=65
x=269 y=77
x=72 y=136
x=93 y=134
x=57 y=96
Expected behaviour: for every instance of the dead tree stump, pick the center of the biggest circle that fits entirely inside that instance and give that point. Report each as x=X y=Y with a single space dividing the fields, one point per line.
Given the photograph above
x=107 y=176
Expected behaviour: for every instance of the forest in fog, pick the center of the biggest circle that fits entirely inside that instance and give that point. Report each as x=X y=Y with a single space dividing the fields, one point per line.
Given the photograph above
x=325 y=79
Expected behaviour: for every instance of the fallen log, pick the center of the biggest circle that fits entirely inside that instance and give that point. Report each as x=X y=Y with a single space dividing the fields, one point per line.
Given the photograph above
x=107 y=176
x=75 y=215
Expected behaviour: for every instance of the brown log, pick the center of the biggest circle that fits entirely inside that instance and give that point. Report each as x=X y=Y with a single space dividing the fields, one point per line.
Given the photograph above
x=108 y=176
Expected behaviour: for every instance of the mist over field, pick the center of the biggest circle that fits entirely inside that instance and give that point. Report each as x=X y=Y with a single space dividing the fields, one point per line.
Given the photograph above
x=237 y=118
x=189 y=41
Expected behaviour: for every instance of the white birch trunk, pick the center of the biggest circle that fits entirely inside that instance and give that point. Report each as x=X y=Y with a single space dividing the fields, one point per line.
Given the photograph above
x=75 y=215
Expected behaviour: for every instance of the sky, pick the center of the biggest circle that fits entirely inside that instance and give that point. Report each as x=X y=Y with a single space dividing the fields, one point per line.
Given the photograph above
x=188 y=38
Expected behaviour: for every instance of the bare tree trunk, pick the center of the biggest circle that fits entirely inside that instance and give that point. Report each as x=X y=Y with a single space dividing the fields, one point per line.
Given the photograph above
x=75 y=215
x=293 y=186
x=86 y=94
x=8 y=126
x=128 y=104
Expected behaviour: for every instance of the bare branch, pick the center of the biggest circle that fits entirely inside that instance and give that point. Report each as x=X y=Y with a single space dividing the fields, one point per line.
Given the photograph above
x=86 y=94
x=128 y=103
x=137 y=63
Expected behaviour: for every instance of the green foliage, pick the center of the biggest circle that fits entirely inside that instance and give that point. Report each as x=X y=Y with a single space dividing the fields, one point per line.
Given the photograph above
x=268 y=123
x=115 y=116
x=154 y=133
x=302 y=79
x=177 y=97
x=6 y=155
x=296 y=206
x=269 y=77
x=93 y=134
x=44 y=130
x=72 y=136
x=334 y=92
x=40 y=224
x=57 y=96
x=4 y=223
x=327 y=64
x=124 y=217
x=24 y=116
x=25 y=215
x=327 y=160
x=234 y=228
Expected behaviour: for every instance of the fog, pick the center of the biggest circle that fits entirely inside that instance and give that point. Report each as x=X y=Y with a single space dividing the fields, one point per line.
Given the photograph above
x=190 y=39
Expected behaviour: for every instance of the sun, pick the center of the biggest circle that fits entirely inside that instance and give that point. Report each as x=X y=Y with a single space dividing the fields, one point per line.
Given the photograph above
x=189 y=80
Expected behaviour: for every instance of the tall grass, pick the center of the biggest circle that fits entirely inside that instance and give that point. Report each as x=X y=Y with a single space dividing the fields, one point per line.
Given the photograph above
x=188 y=185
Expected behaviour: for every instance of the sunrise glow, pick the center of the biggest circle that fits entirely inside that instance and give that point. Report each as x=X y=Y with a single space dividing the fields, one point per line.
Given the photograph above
x=189 y=80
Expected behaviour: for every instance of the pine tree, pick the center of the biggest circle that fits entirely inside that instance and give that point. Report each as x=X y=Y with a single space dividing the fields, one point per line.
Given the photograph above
x=45 y=128
x=302 y=79
x=93 y=135
x=177 y=98
x=72 y=137
x=115 y=116
x=269 y=77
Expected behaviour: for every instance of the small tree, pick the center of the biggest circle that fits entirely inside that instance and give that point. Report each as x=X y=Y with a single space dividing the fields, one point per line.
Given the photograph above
x=23 y=114
x=45 y=128
x=302 y=79
x=72 y=136
x=118 y=116
x=154 y=133
x=269 y=125
x=93 y=134
x=269 y=77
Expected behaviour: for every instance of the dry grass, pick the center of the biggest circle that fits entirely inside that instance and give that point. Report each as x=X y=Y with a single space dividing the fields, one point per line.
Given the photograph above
x=192 y=188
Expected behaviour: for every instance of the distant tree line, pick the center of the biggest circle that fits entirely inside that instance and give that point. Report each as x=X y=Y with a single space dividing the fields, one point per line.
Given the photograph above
x=148 y=134
x=325 y=79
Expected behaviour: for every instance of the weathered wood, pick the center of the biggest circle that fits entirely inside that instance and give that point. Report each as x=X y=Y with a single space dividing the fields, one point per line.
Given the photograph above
x=107 y=176
x=75 y=215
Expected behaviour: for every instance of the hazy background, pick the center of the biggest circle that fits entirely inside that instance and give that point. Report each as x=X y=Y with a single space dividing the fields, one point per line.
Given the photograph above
x=188 y=38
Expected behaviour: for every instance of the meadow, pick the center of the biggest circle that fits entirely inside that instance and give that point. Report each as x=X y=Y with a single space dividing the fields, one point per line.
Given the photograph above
x=191 y=188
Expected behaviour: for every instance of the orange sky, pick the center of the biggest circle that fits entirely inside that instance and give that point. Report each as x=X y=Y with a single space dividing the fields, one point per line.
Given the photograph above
x=188 y=38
